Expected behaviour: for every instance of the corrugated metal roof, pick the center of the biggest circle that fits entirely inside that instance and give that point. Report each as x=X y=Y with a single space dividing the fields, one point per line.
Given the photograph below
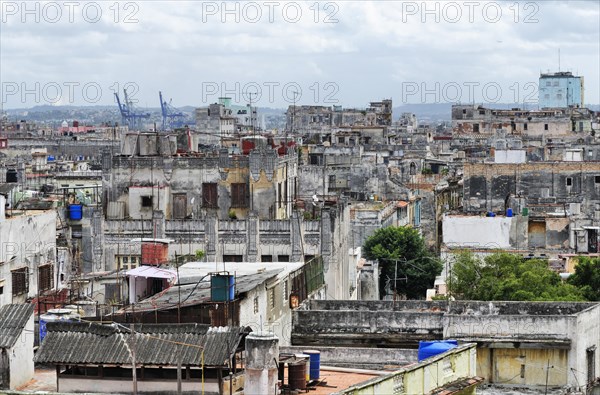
x=151 y=272
x=194 y=294
x=13 y=318
x=154 y=344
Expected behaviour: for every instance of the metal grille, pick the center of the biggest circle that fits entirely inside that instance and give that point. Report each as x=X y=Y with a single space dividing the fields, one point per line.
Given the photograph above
x=20 y=281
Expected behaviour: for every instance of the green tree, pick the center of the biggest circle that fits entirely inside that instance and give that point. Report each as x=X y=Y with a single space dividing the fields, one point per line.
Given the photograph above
x=587 y=278
x=405 y=247
x=504 y=276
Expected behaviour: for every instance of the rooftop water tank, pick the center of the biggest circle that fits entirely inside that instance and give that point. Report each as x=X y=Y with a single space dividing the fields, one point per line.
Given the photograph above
x=222 y=287
x=433 y=348
x=75 y=212
x=54 y=315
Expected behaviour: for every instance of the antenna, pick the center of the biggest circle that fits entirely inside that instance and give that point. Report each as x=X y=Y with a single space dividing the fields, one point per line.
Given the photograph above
x=559 y=59
x=252 y=114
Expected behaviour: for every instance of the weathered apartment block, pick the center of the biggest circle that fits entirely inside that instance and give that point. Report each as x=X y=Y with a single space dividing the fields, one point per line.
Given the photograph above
x=320 y=119
x=239 y=208
x=469 y=119
x=27 y=254
x=554 y=206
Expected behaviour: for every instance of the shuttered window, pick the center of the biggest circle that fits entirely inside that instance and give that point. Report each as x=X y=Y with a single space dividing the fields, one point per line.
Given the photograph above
x=209 y=195
x=20 y=281
x=239 y=195
x=46 y=277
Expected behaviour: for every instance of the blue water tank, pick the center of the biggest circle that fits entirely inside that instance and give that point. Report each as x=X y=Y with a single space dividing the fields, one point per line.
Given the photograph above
x=430 y=349
x=509 y=212
x=315 y=363
x=51 y=158
x=222 y=288
x=75 y=212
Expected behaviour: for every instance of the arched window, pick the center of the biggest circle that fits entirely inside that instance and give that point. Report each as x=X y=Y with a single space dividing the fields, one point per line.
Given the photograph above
x=413 y=169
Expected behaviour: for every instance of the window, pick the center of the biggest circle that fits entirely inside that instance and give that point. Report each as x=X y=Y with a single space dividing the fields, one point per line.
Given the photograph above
x=559 y=96
x=547 y=96
x=332 y=181
x=179 y=205
x=46 y=277
x=525 y=126
x=233 y=258
x=596 y=180
x=125 y=259
x=569 y=181
x=341 y=140
x=545 y=126
x=284 y=286
x=481 y=112
x=279 y=197
x=590 y=354
x=20 y=281
x=283 y=258
x=256 y=305
x=475 y=128
x=209 y=195
x=272 y=298
x=2 y=287
x=147 y=201
x=239 y=195
x=266 y=258
x=548 y=83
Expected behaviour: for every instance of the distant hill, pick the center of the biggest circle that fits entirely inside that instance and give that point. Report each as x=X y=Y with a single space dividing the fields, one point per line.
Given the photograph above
x=100 y=114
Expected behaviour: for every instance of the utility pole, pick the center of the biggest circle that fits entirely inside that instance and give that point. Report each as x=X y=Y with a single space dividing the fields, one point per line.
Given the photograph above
x=179 y=353
x=178 y=291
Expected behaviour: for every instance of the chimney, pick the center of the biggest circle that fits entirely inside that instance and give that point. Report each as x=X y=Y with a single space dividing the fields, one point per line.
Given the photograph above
x=262 y=354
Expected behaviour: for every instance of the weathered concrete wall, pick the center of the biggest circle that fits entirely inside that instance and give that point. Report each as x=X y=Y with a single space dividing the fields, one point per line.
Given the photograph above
x=523 y=366
x=27 y=240
x=360 y=358
x=509 y=156
x=62 y=147
x=498 y=328
x=426 y=376
x=487 y=185
x=21 y=357
x=587 y=345
x=510 y=334
x=347 y=328
x=477 y=232
x=270 y=181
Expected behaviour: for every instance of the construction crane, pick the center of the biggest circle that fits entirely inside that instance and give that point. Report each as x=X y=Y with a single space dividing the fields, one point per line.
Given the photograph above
x=128 y=115
x=172 y=118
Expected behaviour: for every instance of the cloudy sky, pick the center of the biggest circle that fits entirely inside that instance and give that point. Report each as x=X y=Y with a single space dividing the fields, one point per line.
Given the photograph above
x=275 y=52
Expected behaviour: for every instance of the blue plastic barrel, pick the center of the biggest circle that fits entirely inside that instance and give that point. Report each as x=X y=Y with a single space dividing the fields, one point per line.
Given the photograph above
x=75 y=212
x=315 y=363
x=222 y=288
x=509 y=212
x=430 y=349
x=43 y=330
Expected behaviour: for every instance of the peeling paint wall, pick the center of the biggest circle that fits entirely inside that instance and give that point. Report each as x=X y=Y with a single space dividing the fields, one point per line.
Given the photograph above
x=477 y=232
